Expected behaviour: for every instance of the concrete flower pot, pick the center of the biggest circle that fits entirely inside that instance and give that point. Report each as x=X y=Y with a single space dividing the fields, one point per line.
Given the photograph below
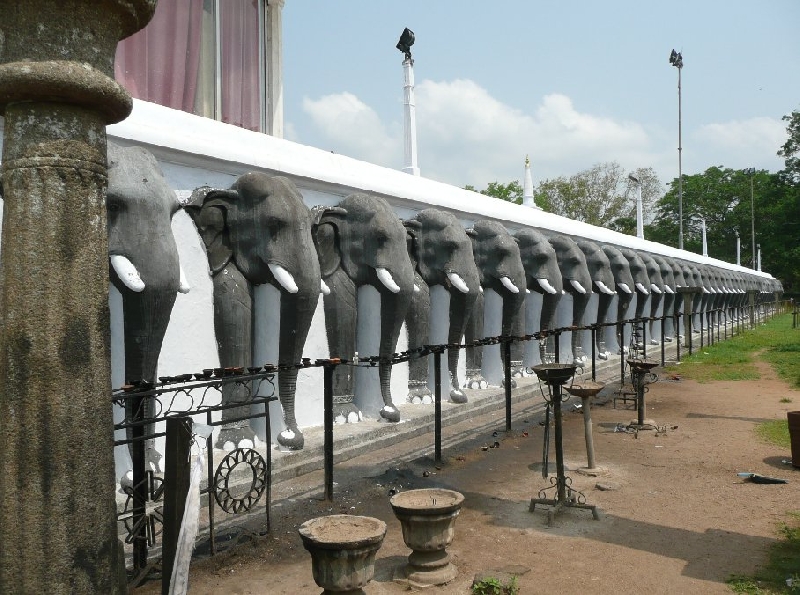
x=343 y=549
x=428 y=519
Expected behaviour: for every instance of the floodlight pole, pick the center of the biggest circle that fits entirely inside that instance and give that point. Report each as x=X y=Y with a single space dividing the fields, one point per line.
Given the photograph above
x=738 y=249
x=752 y=172
x=680 y=174
x=705 y=243
x=639 y=210
x=410 y=119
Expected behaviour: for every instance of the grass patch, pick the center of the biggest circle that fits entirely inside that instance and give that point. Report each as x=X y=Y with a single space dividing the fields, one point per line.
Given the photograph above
x=775 y=432
x=783 y=563
x=775 y=342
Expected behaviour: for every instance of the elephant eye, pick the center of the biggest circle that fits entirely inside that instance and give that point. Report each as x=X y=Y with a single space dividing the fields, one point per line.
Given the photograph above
x=114 y=205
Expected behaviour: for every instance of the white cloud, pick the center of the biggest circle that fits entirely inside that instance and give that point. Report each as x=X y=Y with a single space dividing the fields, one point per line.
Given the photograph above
x=743 y=143
x=352 y=128
x=466 y=136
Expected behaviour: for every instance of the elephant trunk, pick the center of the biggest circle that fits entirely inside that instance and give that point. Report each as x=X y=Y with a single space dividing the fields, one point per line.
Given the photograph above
x=579 y=303
x=473 y=332
x=394 y=307
x=418 y=335
x=461 y=304
x=297 y=310
x=603 y=307
x=340 y=324
x=514 y=323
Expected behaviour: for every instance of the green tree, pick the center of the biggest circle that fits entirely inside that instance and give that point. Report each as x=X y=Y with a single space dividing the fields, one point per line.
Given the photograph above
x=511 y=192
x=790 y=150
x=602 y=195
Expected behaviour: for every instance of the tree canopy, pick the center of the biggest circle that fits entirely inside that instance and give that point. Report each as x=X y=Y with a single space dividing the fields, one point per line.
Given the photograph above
x=511 y=192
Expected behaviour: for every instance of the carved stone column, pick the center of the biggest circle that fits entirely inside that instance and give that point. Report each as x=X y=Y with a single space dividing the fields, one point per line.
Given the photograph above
x=57 y=522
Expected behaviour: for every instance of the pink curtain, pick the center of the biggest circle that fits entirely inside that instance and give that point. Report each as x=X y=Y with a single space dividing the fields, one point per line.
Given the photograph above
x=160 y=62
x=240 y=73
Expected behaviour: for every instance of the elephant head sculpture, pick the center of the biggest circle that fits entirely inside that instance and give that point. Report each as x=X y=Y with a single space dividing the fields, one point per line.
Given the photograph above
x=640 y=279
x=603 y=280
x=258 y=232
x=543 y=277
x=362 y=242
x=442 y=254
x=143 y=259
x=668 y=309
x=577 y=282
x=656 y=293
x=623 y=282
x=497 y=257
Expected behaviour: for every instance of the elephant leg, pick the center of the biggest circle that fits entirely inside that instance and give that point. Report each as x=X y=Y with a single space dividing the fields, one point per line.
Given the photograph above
x=669 y=323
x=548 y=322
x=474 y=332
x=297 y=310
x=418 y=335
x=394 y=307
x=514 y=325
x=579 y=303
x=340 y=325
x=603 y=306
x=146 y=317
x=233 y=311
x=655 y=302
x=461 y=304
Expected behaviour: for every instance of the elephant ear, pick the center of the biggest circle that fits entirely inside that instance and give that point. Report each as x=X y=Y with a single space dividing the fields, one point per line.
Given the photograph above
x=209 y=209
x=412 y=240
x=325 y=232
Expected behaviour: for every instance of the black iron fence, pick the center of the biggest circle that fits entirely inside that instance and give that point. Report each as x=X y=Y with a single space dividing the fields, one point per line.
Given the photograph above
x=154 y=505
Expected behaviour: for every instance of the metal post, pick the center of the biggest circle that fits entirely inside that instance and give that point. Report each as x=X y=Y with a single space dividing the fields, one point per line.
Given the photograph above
x=135 y=414
x=702 y=330
x=557 y=343
x=562 y=491
x=437 y=412
x=663 y=320
x=327 y=405
x=594 y=349
x=621 y=333
x=677 y=339
x=507 y=374
x=177 y=471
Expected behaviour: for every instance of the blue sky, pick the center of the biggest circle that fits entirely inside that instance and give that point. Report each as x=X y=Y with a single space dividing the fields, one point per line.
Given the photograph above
x=569 y=83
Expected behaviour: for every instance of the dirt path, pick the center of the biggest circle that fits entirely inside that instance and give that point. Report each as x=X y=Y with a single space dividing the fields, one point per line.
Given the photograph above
x=678 y=519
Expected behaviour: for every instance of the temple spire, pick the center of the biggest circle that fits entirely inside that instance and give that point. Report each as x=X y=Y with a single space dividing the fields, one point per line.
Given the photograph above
x=527 y=188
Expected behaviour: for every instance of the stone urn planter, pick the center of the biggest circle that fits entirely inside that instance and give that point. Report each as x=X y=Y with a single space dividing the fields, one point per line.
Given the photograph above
x=428 y=518
x=343 y=549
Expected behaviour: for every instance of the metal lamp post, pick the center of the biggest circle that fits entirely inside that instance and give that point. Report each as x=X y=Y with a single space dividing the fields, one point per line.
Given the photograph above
x=639 y=214
x=410 y=118
x=738 y=248
x=676 y=59
x=750 y=171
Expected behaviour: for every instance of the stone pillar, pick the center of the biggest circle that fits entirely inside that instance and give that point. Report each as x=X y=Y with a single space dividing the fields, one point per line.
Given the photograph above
x=274 y=53
x=57 y=523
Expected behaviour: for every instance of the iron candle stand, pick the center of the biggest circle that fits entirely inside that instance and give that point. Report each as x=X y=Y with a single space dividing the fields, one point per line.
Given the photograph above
x=639 y=369
x=555 y=376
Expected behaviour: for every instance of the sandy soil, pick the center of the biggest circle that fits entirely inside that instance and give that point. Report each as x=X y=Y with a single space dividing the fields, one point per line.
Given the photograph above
x=676 y=519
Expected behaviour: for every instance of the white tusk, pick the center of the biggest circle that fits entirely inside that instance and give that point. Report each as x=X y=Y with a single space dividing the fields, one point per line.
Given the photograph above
x=283 y=277
x=480 y=288
x=578 y=287
x=642 y=288
x=545 y=284
x=509 y=285
x=668 y=289
x=604 y=288
x=624 y=287
x=416 y=288
x=385 y=277
x=706 y=290
x=183 y=286
x=527 y=290
x=458 y=282
x=323 y=288
x=126 y=272
x=655 y=288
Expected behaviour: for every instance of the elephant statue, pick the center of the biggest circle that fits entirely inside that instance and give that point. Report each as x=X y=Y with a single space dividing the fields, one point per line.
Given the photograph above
x=441 y=252
x=258 y=232
x=577 y=282
x=144 y=266
x=623 y=282
x=668 y=308
x=603 y=280
x=500 y=271
x=656 y=294
x=362 y=243
x=543 y=277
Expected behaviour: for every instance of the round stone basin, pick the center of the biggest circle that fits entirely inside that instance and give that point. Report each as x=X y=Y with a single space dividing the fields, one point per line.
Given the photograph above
x=343 y=549
x=342 y=531
x=587 y=389
x=433 y=501
x=555 y=373
x=642 y=364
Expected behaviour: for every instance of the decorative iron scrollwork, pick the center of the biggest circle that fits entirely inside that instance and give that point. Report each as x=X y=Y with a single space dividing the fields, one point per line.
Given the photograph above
x=224 y=485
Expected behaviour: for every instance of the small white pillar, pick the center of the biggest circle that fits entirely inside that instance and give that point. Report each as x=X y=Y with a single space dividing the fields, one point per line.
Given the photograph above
x=758 y=247
x=738 y=250
x=639 y=213
x=527 y=187
x=410 y=119
x=705 y=243
x=274 y=59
